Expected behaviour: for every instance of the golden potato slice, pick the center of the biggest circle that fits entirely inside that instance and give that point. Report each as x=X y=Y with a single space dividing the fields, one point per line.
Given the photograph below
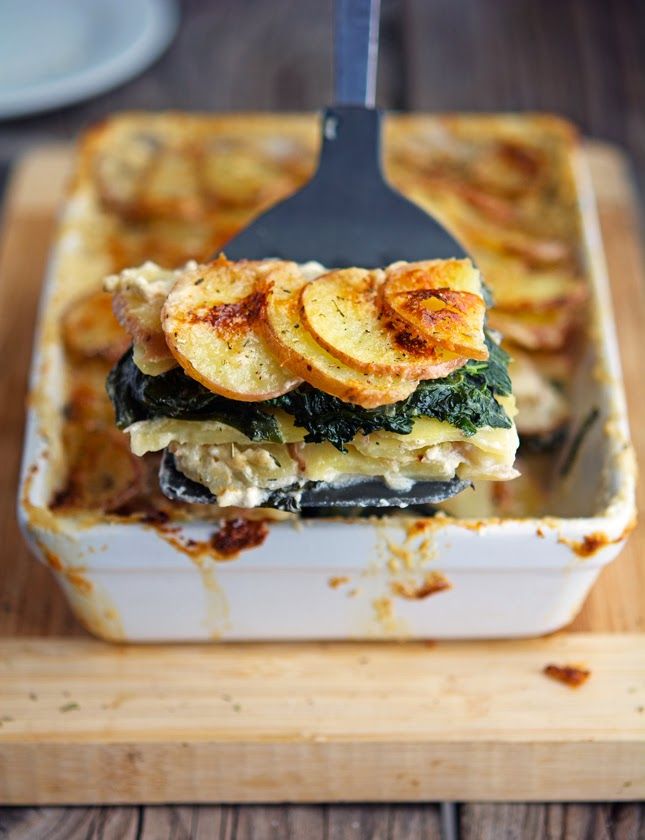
x=234 y=177
x=509 y=167
x=170 y=187
x=518 y=286
x=547 y=329
x=87 y=402
x=441 y=300
x=137 y=297
x=120 y=171
x=296 y=347
x=91 y=330
x=343 y=311
x=211 y=320
x=542 y=409
x=103 y=473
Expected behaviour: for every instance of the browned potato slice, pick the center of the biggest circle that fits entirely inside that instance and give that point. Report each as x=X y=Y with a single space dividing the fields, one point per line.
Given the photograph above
x=91 y=330
x=120 y=171
x=87 y=401
x=509 y=167
x=343 y=311
x=440 y=299
x=171 y=186
x=296 y=347
x=151 y=178
x=211 y=320
x=103 y=473
x=546 y=329
x=240 y=178
x=518 y=286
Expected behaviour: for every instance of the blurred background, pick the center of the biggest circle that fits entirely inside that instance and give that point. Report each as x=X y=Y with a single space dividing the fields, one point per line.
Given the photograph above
x=579 y=58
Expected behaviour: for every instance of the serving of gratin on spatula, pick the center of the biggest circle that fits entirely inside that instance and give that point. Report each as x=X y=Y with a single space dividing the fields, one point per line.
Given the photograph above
x=363 y=379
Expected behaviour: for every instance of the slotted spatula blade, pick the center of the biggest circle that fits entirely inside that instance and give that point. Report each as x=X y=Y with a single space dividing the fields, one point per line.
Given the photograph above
x=347 y=215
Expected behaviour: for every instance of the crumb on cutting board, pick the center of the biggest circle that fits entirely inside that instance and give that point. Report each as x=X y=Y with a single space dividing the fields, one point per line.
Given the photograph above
x=571 y=675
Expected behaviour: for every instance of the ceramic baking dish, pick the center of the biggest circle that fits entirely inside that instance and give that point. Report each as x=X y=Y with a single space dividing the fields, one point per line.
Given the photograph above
x=394 y=577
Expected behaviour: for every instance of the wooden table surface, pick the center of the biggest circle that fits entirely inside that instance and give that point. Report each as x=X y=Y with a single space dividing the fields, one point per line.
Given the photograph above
x=580 y=58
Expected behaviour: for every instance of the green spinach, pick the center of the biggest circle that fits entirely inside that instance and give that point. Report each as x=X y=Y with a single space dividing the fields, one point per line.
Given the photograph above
x=466 y=399
x=137 y=396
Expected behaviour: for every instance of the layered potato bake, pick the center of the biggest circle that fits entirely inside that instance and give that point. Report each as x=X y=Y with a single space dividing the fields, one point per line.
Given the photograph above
x=155 y=196
x=263 y=376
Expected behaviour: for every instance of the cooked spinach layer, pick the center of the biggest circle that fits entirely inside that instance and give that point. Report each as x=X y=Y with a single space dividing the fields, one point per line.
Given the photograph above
x=465 y=399
x=137 y=396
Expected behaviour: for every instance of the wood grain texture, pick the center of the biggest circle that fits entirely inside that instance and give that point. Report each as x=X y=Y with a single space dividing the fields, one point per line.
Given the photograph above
x=87 y=722
x=223 y=822
x=121 y=823
x=624 y=821
x=553 y=822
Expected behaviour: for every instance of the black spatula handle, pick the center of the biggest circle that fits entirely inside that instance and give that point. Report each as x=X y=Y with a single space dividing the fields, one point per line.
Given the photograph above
x=355 y=51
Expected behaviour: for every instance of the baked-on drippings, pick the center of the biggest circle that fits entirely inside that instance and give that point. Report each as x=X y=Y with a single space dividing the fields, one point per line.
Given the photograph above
x=236 y=535
x=571 y=675
x=590 y=544
x=432 y=583
x=337 y=581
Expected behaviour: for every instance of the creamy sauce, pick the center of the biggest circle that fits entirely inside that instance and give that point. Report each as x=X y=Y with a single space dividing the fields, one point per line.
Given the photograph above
x=244 y=476
x=149 y=281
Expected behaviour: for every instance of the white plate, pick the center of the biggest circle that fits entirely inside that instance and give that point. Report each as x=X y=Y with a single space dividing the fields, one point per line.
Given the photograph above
x=56 y=53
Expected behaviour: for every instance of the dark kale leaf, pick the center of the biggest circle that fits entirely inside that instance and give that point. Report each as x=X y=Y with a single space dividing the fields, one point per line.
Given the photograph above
x=126 y=407
x=137 y=396
x=466 y=399
x=495 y=370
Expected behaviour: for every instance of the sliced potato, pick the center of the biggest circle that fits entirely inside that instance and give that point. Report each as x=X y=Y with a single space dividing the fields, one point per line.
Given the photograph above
x=296 y=347
x=546 y=329
x=517 y=286
x=120 y=171
x=542 y=409
x=170 y=188
x=91 y=330
x=440 y=299
x=103 y=473
x=235 y=177
x=211 y=320
x=342 y=310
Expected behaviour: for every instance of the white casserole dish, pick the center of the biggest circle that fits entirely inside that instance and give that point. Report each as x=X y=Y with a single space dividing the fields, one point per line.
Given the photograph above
x=328 y=579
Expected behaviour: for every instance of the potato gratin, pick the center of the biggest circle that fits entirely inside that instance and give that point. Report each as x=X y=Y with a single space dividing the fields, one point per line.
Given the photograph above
x=173 y=187
x=265 y=375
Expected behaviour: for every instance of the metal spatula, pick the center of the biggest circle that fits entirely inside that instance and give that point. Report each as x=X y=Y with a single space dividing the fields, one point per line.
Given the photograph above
x=346 y=215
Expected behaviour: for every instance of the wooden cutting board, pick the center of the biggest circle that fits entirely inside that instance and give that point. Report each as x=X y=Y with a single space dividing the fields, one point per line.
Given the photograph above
x=83 y=721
